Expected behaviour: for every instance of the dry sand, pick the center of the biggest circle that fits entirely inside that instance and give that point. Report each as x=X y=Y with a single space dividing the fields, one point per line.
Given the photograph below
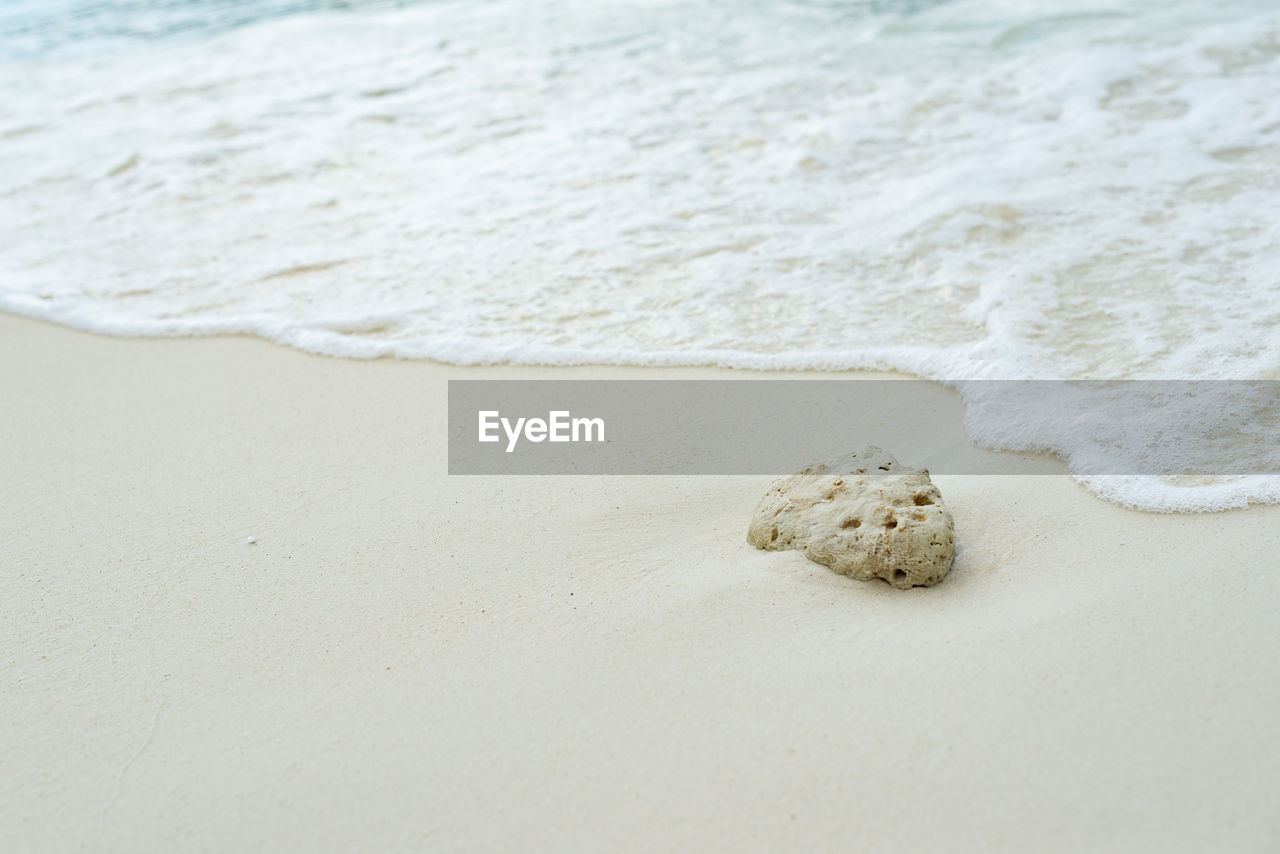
x=405 y=660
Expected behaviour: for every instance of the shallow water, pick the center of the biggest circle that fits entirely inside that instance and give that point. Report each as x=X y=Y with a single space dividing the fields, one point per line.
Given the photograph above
x=956 y=190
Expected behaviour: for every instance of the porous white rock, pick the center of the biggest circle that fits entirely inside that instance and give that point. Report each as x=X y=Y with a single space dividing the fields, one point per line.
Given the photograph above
x=865 y=515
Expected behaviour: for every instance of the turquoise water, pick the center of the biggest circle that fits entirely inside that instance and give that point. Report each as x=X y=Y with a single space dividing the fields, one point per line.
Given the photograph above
x=42 y=27
x=31 y=28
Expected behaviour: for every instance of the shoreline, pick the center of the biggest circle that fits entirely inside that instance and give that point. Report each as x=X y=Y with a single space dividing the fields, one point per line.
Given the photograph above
x=404 y=658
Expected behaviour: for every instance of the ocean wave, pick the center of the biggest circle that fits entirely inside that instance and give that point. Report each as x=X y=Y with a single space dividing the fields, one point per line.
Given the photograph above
x=961 y=190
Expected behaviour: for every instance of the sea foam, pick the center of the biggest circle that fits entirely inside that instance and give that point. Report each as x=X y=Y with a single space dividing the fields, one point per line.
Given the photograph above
x=968 y=190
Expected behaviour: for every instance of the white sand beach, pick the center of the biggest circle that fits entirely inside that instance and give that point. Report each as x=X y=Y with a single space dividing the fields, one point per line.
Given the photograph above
x=246 y=245
x=405 y=660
